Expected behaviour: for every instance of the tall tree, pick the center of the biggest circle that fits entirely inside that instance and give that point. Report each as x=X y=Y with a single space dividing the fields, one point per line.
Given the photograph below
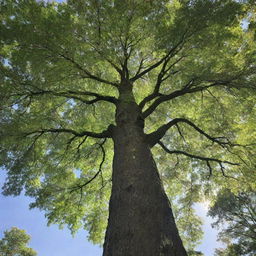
x=238 y=214
x=14 y=243
x=92 y=90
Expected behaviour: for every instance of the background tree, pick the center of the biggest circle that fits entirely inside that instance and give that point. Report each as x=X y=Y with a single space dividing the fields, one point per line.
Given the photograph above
x=170 y=79
x=14 y=243
x=238 y=214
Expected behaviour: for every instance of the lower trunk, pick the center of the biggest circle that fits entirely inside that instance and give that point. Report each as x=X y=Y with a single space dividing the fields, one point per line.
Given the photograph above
x=141 y=221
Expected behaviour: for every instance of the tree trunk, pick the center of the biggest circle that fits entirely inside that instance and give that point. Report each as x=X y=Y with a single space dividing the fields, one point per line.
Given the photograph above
x=140 y=221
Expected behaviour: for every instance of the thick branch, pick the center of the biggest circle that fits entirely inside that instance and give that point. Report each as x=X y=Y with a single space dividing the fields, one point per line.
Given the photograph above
x=154 y=137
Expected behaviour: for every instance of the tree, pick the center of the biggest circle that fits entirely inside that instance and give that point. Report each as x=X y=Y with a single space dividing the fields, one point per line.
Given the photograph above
x=238 y=212
x=92 y=90
x=14 y=243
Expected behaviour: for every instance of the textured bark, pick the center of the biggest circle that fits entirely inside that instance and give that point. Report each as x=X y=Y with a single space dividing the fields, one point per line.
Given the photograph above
x=140 y=221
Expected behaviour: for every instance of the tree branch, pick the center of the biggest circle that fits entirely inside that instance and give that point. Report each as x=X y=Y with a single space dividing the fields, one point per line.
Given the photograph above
x=33 y=90
x=102 y=54
x=190 y=88
x=160 y=79
x=202 y=158
x=162 y=60
x=150 y=68
x=81 y=186
x=87 y=73
x=105 y=134
x=154 y=137
x=185 y=90
x=72 y=95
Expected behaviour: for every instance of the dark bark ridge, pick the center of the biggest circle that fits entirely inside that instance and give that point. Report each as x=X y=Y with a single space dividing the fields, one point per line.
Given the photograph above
x=140 y=221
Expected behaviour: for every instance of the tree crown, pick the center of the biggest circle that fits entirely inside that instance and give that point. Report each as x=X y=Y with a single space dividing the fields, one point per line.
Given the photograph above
x=191 y=66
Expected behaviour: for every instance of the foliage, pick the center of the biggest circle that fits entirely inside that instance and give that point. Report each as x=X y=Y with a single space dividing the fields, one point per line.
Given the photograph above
x=14 y=243
x=195 y=253
x=192 y=66
x=237 y=213
x=231 y=250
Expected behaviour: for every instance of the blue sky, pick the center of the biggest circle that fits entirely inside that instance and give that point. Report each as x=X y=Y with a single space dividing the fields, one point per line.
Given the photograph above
x=51 y=241
x=47 y=241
